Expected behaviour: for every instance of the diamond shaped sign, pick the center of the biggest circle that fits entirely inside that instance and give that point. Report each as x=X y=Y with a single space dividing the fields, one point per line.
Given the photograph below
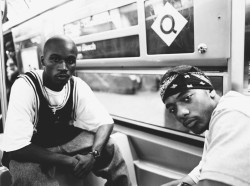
x=168 y=24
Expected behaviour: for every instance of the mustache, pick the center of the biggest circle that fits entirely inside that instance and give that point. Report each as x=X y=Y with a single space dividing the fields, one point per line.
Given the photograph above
x=62 y=74
x=187 y=121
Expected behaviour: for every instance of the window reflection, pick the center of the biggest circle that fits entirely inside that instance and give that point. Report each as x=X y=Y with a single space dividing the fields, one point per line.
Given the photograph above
x=184 y=42
x=118 y=18
x=130 y=96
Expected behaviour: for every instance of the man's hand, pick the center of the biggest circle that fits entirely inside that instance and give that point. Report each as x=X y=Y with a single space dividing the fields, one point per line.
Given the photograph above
x=84 y=165
x=186 y=179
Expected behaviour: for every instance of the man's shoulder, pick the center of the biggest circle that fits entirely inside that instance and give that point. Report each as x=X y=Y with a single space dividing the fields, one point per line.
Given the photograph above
x=235 y=98
x=20 y=81
x=80 y=82
x=24 y=81
x=22 y=88
x=32 y=73
x=234 y=101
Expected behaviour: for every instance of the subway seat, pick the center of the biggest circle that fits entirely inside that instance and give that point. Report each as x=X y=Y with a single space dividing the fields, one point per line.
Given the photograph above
x=91 y=180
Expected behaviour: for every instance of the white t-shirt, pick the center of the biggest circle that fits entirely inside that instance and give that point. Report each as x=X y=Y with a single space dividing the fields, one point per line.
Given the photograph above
x=226 y=157
x=90 y=113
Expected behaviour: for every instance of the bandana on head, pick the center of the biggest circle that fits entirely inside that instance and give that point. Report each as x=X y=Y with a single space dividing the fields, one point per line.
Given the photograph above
x=182 y=78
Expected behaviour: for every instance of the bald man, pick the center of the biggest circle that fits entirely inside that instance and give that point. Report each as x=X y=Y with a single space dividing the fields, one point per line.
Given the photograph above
x=56 y=129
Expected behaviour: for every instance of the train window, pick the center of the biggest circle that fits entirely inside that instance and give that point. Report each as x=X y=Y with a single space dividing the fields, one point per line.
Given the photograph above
x=30 y=59
x=184 y=42
x=30 y=42
x=28 y=53
x=134 y=96
x=118 y=18
x=119 y=47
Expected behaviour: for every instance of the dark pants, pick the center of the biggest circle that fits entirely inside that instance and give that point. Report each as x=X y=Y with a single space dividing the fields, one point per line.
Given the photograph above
x=110 y=166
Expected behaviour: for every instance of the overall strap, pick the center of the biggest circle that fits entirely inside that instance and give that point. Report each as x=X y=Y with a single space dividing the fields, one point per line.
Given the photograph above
x=32 y=79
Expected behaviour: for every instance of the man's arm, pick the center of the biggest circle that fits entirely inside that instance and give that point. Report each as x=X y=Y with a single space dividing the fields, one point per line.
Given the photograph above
x=82 y=144
x=86 y=162
x=86 y=141
x=102 y=136
x=36 y=154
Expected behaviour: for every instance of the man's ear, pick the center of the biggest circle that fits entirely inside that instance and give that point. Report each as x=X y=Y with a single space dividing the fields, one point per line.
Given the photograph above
x=42 y=60
x=212 y=93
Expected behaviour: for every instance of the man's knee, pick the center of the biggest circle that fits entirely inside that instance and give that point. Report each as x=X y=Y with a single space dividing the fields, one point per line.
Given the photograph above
x=111 y=145
x=111 y=149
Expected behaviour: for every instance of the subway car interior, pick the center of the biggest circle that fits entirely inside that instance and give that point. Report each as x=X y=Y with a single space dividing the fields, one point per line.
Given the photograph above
x=124 y=48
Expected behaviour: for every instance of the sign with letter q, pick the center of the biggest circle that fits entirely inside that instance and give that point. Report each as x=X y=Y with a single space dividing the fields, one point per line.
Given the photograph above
x=168 y=24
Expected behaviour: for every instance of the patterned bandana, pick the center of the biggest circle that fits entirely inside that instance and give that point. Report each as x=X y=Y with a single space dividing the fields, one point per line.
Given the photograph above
x=182 y=78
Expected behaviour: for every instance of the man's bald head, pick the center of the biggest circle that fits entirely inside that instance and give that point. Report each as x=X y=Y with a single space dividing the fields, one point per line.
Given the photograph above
x=59 y=40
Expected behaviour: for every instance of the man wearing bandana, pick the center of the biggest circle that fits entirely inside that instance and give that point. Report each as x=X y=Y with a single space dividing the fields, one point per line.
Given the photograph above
x=189 y=95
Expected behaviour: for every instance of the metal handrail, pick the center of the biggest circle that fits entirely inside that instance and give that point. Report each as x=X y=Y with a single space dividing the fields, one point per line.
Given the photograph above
x=2 y=70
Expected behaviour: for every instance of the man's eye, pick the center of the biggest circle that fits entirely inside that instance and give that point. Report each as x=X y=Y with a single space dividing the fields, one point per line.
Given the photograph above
x=187 y=99
x=55 y=59
x=172 y=110
x=71 y=61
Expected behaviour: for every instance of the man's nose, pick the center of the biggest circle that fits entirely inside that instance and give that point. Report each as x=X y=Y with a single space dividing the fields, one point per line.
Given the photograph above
x=63 y=65
x=182 y=111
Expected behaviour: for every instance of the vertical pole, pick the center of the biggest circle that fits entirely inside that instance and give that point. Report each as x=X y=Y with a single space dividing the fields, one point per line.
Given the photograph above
x=2 y=74
x=236 y=63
